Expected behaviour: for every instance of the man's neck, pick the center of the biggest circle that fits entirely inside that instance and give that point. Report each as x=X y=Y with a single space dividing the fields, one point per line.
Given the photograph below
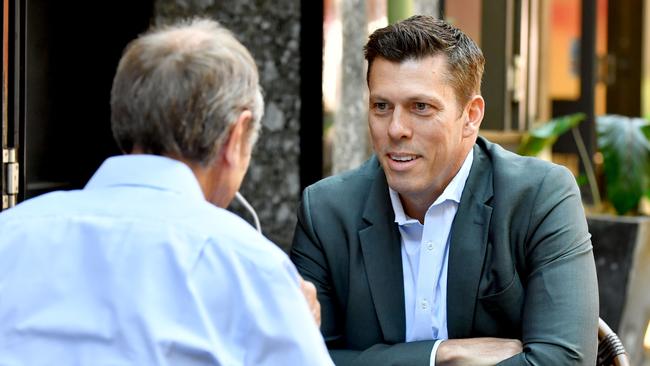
x=417 y=204
x=209 y=178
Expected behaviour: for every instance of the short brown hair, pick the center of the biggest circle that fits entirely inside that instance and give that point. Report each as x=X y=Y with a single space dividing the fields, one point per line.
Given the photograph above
x=421 y=36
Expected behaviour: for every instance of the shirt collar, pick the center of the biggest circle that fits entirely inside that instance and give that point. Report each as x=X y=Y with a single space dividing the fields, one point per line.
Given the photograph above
x=398 y=209
x=152 y=171
x=452 y=192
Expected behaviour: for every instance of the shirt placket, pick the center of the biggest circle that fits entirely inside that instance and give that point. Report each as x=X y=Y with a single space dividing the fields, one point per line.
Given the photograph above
x=427 y=278
x=446 y=213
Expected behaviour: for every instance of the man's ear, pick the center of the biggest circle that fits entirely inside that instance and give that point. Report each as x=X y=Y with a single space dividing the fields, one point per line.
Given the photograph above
x=235 y=146
x=474 y=115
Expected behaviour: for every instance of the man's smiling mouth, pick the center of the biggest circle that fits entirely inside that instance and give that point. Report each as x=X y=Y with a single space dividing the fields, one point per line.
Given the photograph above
x=402 y=158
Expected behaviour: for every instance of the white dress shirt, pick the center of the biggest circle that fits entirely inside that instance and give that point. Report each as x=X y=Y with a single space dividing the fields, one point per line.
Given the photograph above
x=425 y=254
x=139 y=269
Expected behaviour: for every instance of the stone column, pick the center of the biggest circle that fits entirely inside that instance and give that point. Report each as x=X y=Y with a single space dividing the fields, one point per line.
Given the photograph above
x=271 y=31
x=350 y=146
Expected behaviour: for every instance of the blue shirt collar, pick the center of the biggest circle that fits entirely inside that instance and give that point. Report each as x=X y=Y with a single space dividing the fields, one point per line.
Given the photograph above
x=157 y=172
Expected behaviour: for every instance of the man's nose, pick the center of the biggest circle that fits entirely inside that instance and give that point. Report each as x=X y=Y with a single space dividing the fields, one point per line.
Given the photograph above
x=399 y=127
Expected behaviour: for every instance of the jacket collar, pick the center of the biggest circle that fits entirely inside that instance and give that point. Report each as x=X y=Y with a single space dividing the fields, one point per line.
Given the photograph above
x=469 y=236
x=380 y=245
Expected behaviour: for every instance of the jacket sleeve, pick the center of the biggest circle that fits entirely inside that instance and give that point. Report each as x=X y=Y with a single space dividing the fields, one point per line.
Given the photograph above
x=313 y=263
x=560 y=314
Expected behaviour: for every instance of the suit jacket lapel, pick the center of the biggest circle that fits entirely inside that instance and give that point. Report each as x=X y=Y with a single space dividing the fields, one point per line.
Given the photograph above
x=469 y=235
x=380 y=245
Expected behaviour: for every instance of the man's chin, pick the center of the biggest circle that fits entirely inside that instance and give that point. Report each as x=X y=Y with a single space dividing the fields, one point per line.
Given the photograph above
x=401 y=186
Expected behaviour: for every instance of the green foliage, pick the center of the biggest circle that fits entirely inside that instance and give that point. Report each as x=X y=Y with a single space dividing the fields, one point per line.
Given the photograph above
x=544 y=135
x=624 y=143
x=399 y=10
x=582 y=180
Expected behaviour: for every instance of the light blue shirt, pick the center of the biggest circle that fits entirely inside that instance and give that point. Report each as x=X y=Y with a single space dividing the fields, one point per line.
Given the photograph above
x=139 y=269
x=425 y=254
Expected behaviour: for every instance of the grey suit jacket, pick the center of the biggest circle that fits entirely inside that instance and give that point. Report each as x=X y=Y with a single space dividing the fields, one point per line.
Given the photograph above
x=520 y=263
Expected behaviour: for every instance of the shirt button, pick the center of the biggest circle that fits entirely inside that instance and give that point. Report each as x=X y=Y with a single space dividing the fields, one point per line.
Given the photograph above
x=424 y=304
x=429 y=245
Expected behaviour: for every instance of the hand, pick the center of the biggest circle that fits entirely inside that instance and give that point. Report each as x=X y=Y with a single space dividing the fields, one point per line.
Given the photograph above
x=309 y=291
x=476 y=351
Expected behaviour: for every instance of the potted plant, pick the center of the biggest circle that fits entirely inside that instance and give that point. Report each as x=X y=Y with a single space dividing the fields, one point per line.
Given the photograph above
x=625 y=146
x=624 y=143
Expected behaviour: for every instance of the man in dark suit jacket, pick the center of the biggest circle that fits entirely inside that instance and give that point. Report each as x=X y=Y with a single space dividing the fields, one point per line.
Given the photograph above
x=506 y=272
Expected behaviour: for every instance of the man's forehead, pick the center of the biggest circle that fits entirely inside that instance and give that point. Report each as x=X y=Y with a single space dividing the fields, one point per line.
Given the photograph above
x=409 y=79
x=440 y=60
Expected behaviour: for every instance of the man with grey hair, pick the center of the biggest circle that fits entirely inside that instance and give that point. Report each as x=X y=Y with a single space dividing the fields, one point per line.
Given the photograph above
x=144 y=266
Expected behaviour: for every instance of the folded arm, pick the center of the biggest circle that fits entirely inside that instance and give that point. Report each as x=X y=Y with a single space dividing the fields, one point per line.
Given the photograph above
x=560 y=314
x=308 y=255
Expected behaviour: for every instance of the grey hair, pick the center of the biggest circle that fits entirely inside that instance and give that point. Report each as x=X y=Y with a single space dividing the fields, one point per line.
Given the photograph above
x=179 y=88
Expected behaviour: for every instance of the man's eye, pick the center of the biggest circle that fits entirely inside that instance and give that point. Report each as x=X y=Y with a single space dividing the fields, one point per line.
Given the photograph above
x=421 y=106
x=381 y=106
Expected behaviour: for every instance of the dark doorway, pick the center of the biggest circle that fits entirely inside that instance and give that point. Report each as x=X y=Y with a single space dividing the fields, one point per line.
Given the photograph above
x=64 y=57
x=311 y=96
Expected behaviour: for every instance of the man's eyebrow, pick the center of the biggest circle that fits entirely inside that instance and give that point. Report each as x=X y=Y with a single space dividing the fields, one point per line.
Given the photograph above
x=377 y=99
x=415 y=97
x=425 y=97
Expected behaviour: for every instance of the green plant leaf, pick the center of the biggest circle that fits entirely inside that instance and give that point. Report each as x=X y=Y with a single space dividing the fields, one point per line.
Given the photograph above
x=581 y=180
x=646 y=132
x=538 y=138
x=623 y=141
x=645 y=129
